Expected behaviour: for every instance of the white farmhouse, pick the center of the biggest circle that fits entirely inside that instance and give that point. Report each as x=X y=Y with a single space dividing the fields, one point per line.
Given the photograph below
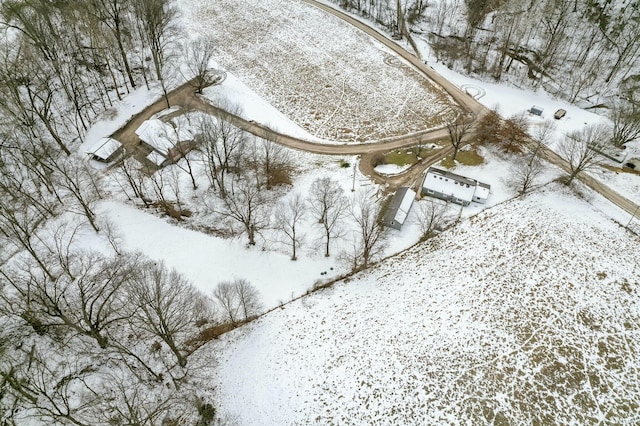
x=455 y=188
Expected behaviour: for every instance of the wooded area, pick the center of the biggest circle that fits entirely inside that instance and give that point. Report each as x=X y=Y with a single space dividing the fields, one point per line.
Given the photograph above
x=585 y=51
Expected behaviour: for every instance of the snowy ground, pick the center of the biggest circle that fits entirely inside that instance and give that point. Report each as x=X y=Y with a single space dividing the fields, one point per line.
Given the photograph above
x=235 y=94
x=207 y=259
x=322 y=73
x=510 y=100
x=141 y=231
x=526 y=313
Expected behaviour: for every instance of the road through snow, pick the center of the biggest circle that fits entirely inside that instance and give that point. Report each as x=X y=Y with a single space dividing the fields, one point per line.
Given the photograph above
x=185 y=97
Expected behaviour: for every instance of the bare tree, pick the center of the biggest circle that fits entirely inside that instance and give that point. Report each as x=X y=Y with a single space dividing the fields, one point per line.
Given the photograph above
x=181 y=151
x=160 y=184
x=157 y=23
x=583 y=148
x=328 y=203
x=19 y=226
x=131 y=171
x=543 y=133
x=130 y=401
x=274 y=160
x=199 y=54
x=81 y=185
x=28 y=95
x=247 y=204
x=168 y=306
x=113 y=15
x=222 y=145
x=50 y=387
x=248 y=298
x=23 y=176
x=100 y=302
x=625 y=117
x=457 y=132
x=370 y=232
x=113 y=235
x=524 y=173
x=238 y=299
x=226 y=296
x=288 y=215
x=430 y=216
x=86 y=298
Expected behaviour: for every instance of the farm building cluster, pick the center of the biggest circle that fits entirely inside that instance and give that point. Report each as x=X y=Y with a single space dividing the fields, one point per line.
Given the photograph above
x=160 y=143
x=440 y=184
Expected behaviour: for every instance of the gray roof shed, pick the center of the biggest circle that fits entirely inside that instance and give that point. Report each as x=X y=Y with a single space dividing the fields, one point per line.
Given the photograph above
x=399 y=208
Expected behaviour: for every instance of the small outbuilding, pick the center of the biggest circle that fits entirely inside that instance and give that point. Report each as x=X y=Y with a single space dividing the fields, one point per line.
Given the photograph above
x=482 y=192
x=536 y=110
x=108 y=150
x=399 y=208
x=453 y=187
x=633 y=163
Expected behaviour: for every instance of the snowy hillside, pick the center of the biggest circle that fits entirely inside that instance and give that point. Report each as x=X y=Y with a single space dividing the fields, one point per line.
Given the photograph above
x=527 y=313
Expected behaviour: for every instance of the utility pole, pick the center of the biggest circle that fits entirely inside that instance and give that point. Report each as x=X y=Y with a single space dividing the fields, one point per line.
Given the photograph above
x=632 y=216
x=353 y=184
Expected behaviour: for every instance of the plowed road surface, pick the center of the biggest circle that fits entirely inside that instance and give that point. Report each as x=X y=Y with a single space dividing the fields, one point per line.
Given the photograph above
x=185 y=97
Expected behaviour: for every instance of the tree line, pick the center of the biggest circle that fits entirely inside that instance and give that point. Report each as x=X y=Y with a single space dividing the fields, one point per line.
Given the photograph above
x=64 y=63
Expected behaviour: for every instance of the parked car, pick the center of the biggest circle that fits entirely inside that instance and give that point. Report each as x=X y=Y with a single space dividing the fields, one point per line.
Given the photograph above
x=559 y=114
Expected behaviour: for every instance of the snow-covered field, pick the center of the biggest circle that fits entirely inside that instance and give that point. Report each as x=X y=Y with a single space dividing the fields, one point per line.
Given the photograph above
x=527 y=313
x=328 y=77
x=233 y=93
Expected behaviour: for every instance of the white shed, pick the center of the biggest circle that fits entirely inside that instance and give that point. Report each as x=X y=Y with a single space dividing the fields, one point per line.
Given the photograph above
x=108 y=149
x=455 y=188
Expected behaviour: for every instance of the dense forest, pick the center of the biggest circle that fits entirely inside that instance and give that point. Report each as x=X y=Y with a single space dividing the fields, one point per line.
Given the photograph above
x=86 y=335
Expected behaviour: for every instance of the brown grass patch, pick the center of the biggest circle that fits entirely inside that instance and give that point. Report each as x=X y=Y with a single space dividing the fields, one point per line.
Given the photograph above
x=467 y=158
x=621 y=169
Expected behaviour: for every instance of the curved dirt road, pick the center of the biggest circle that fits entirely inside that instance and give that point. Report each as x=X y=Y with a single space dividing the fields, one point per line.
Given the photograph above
x=185 y=97
x=461 y=97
